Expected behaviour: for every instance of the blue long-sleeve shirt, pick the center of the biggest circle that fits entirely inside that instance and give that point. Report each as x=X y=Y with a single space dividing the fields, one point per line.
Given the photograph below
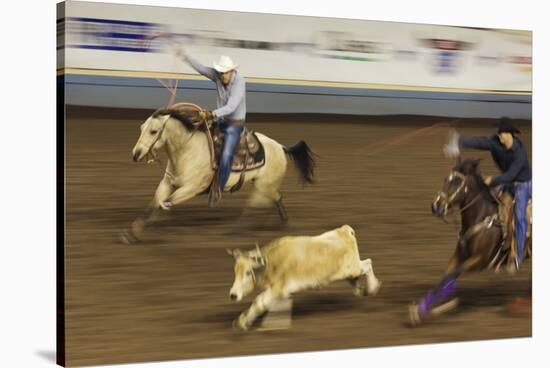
x=513 y=162
x=231 y=99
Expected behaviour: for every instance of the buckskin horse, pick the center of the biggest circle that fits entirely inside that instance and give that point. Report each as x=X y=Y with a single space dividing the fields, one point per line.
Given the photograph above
x=191 y=167
x=480 y=240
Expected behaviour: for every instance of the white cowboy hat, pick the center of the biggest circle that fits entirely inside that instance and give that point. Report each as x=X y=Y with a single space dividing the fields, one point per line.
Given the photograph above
x=225 y=64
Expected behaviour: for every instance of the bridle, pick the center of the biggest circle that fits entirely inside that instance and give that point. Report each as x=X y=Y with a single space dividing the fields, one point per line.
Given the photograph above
x=450 y=198
x=462 y=187
x=159 y=133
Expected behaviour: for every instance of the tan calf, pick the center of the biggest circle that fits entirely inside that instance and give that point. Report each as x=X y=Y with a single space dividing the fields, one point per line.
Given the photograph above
x=293 y=263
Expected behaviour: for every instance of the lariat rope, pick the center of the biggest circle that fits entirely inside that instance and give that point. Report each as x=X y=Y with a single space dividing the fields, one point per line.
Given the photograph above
x=383 y=145
x=172 y=88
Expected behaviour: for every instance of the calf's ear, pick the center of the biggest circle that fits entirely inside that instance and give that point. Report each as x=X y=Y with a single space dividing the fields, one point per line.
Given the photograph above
x=233 y=252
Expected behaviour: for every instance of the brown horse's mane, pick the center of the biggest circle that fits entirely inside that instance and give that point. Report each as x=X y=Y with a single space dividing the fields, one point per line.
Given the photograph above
x=184 y=116
x=469 y=167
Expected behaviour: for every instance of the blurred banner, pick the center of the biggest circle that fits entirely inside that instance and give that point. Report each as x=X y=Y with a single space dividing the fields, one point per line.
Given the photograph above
x=129 y=38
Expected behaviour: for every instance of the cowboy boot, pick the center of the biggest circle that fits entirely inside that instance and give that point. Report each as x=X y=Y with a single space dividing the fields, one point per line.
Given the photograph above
x=513 y=264
x=505 y=209
x=215 y=194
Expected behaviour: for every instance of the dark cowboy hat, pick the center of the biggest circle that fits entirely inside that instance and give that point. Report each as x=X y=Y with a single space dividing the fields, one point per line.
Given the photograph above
x=505 y=126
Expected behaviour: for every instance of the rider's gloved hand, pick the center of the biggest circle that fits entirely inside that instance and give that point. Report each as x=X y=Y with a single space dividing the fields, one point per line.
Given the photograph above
x=180 y=52
x=452 y=148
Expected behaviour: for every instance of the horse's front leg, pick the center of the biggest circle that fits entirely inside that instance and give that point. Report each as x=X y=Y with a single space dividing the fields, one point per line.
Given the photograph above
x=182 y=194
x=150 y=215
x=442 y=298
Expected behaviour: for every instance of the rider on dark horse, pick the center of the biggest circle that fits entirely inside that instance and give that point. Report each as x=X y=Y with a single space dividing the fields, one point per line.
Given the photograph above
x=478 y=245
x=511 y=158
x=229 y=116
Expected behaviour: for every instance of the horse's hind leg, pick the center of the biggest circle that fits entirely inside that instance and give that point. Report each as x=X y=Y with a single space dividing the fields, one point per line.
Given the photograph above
x=282 y=210
x=266 y=194
x=268 y=180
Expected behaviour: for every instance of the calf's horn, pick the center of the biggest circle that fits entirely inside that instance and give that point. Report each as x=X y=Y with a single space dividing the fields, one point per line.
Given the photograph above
x=258 y=257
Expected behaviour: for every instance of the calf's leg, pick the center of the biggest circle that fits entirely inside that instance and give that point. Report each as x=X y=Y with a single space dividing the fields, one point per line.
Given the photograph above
x=259 y=306
x=373 y=284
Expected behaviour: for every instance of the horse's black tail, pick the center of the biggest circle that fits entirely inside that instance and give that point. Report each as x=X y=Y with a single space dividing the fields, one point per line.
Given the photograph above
x=304 y=159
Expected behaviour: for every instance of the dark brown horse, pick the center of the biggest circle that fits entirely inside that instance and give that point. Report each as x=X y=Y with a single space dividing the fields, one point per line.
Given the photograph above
x=480 y=239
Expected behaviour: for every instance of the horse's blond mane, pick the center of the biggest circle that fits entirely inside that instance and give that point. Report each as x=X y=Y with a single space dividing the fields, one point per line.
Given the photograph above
x=185 y=116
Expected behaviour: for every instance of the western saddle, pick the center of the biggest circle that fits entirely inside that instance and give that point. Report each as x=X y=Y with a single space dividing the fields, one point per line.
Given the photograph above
x=506 y=217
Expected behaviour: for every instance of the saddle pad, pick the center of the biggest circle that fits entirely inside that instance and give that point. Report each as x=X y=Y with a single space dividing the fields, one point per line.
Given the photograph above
x=250 y=146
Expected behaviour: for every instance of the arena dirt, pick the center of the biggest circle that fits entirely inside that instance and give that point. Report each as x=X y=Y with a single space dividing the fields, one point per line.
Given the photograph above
x=167 y=298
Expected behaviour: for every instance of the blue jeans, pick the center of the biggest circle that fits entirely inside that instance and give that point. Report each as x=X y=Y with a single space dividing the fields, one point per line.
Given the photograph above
x=522 y=193
x=232 y=134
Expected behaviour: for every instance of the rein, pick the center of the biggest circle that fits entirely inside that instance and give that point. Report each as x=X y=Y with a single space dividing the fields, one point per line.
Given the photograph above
x=472 y=202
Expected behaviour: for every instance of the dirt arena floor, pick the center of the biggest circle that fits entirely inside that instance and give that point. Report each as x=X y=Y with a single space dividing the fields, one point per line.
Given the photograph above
x=167 y=298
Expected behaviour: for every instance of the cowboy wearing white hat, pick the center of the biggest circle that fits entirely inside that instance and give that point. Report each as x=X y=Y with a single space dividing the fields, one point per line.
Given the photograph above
x=230 y=114
x=225 y=64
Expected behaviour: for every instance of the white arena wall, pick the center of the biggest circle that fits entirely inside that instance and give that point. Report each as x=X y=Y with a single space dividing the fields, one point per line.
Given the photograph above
x=111 y=54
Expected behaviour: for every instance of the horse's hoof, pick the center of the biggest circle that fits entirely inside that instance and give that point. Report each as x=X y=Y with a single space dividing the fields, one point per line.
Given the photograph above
x=512 y=268
x=520 y=307
x=127 y=238
x=444 y=308
x=414 y=315
x=416 y=318
x=166 y=205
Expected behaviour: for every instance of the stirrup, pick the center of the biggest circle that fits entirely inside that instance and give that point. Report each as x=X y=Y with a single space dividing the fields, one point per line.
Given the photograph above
x=512 y=267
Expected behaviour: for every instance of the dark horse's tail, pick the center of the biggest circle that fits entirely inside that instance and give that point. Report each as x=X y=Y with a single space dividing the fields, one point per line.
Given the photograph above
x=304 y=159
